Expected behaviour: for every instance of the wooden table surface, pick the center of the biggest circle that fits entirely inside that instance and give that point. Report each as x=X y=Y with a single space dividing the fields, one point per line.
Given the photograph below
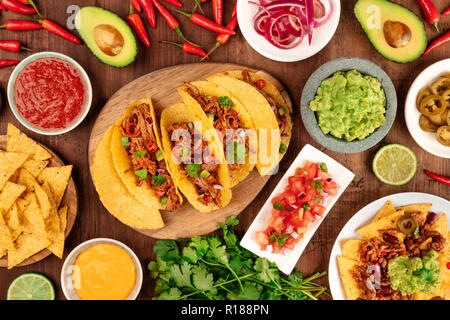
x=93 y=221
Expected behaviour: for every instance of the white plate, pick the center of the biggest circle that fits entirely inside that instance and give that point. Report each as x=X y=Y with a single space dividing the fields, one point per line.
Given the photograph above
x=322 y=35
x=426 y=140
x=341 y=175
x=364 y=217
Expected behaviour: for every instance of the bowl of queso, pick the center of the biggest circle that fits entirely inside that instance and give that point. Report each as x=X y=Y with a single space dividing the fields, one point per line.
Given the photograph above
x=49 y=93
x=101 y=269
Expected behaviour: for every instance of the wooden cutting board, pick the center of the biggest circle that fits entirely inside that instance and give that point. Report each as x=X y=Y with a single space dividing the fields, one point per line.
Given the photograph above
x=162 y=86
x=70 y=200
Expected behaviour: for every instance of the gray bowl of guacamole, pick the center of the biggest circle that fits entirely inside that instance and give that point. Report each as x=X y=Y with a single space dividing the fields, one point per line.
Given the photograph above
x=348 y=105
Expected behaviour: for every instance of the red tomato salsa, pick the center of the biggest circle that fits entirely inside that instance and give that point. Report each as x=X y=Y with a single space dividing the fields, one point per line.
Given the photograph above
x=300 y=204
x=50 y=93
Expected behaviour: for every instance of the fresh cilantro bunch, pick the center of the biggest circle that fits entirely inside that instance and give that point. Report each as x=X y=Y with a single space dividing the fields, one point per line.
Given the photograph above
x=217 y=268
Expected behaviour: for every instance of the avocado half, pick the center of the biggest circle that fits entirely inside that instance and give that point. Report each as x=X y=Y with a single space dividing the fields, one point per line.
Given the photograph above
x=373 y=16
x=107 y=35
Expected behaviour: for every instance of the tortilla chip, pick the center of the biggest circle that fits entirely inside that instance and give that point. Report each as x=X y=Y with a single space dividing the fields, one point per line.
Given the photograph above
x=33 y=220
x=63 y=218
x=420 y=207
x=385 y=211
x=27 y=244
x=441 y=226
x=389 y=222
x=9 y=163
x=35 y=167
x=12 y=219
x=57 y=247
x=2 y=252
x=351 y=287
x=26 y=179
x=350 y=249
x=115 y=196
x=211 y=89
x=19 y=142
x=53 y=226
x=6 y=241
x=262 y=116
x=57 y=178
x=180 y=114
x=9 y=195
x=22 y=204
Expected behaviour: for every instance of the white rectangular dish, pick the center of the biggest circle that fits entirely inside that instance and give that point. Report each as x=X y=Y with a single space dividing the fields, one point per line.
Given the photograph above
x=286 y=262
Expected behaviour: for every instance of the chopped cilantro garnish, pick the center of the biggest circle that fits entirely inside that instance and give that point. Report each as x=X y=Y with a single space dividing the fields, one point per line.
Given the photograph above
x=323 y=167
x=192 y=169
x=141 y=174
x=140 y=154
x=317 y=199
x=125 y=141
x=158 y=180
x=279 y=239
x=317 y=184
x=279 y=206
x=225 y=102
x=204 y=174
x=306 y=206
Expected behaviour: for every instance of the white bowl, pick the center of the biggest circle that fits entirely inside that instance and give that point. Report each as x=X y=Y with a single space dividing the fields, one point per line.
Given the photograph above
x=322 y=35
x=23 y=64
x=66 y=272
x=286 y=263
x=426 y=140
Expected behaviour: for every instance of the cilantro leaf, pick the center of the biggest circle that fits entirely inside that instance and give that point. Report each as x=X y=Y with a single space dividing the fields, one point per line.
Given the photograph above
x=167 y=250
x=181 y=274
x=202 y=279
x=190 y=255
x=267 y=272
x=251 y=292
x=158 y=180
x=140 y=154
x=172 y=294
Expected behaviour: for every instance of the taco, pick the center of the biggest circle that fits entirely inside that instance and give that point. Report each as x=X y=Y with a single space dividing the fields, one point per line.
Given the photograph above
x=232 y=122
x=401 y=256
x=196 y=159
x=139 y=160
x=267 y=108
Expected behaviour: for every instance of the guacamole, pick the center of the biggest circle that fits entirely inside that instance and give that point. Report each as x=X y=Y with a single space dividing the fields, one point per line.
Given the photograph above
x=350 y=105
x=411 y=275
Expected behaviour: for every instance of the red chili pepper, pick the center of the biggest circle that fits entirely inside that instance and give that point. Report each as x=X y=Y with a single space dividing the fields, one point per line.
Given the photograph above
x=204 y=22
x=17 y=7
x=217 y=6
x=430 y=12
x=31 y=3
x=171 y=21
x=446 y=12
x=21 y=25
x=222 y=39
x=189 y=48
x=437 y=43
x=152 y=147
x=7 y=63
x=438 y=178
x=138 y=26
x=131 y=130
x=448 y=265
x=176 y=3
x=149 y=11
x=2 y=8
x=136 y=5
x=55 y=28
x=234 y=13
x=12 y=45
x=159 y=193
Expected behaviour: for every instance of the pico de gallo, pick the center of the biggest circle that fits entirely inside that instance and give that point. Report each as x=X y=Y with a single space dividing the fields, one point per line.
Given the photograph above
x=301 y=203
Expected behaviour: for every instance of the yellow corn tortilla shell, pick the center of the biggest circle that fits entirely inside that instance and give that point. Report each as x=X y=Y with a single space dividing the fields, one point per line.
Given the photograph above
x=389 y=222
x=211 y=89
x=9 y=195
x=122 y=162
x=271 y=90
x=19 y=142
x=12 y=219
x=350 y=249
x=385 y=211
x=351 y=287
x=26 y=179
x=27 y=244
x=263 y=119
x=9 y=163
x=57 y=178
x=35 y=167
x=178 y=113
x=115 y=196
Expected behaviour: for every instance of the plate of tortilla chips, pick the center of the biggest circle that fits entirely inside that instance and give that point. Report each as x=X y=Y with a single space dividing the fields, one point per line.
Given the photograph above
x=395 y=248
x=188 y=143
x=38 y=201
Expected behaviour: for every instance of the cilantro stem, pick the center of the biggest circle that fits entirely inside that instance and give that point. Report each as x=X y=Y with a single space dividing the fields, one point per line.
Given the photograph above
x=226 y=267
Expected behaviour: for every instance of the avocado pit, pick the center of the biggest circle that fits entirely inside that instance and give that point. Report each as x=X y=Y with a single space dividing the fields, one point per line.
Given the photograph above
x=396 y=33
x=109 y=39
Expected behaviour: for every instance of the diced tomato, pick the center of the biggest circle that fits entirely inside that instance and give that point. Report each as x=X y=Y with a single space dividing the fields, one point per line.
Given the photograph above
x=290 y=197
x=302 y=230
x=278 y=199
x=277 y=249
x=308 y=216
x=312 y=171
x=318 y=209
x=330 y=188
x=262 y=238
x=277 y=224
x=297 y=184
x=324 y=176
x=159 y=193
x=290 y=243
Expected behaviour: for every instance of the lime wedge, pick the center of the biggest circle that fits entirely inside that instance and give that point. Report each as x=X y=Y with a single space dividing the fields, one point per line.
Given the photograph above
x=31 y=286
x=395 y=164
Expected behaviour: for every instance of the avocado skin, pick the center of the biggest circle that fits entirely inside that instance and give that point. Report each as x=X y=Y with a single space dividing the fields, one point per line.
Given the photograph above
x=112 y=19
x=417 y=28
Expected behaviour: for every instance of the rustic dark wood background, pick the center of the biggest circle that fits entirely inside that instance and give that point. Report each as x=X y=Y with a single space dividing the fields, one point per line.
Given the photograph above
x=93 y=221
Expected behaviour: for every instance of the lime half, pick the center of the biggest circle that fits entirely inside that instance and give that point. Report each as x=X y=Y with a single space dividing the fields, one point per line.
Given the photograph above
x=31 y=286
x=395 y=164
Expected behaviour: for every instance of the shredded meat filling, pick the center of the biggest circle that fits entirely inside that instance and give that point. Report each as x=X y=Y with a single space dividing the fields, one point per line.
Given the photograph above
x=142 y=149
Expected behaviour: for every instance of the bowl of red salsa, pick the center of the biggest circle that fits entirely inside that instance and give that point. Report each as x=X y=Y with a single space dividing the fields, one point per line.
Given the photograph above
x=49 y=93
